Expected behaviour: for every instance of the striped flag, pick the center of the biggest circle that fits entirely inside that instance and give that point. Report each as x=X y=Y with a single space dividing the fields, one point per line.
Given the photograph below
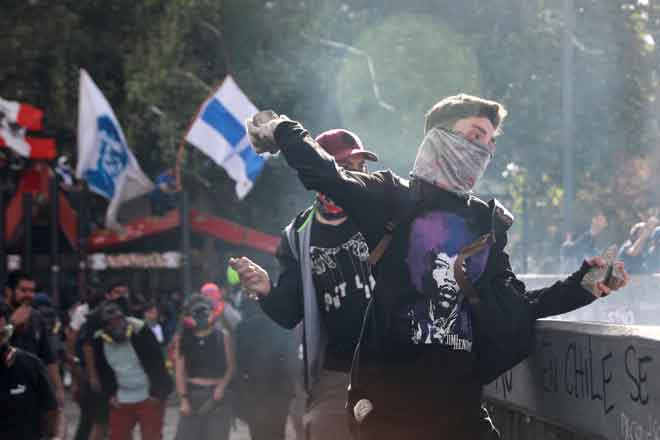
x=24 y=115
x=13 y=136
x=218 y=131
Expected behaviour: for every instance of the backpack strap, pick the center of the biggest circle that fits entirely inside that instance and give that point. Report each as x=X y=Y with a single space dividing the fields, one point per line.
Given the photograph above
x=500 y=221
x=373 y=259
x=459 y=274
x=377 y=253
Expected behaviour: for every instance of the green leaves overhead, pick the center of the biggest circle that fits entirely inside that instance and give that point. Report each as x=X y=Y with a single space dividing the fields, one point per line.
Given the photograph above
x=155 y=60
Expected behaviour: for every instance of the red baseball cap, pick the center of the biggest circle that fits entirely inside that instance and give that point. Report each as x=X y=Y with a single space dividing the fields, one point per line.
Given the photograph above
x=342 y=144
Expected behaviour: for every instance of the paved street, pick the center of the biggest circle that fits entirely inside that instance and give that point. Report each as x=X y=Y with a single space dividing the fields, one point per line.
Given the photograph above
x=239 y=432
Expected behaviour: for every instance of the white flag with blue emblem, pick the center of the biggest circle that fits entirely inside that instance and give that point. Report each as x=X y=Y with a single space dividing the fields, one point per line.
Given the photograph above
x=218 y=131
x=104 y=159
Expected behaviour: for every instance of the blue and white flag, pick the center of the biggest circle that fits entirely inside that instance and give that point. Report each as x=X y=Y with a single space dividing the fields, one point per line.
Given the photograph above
x=218 y=131
x=104 y=159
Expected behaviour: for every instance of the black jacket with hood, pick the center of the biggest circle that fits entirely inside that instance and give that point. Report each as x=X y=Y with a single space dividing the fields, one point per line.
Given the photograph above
x=149 y=354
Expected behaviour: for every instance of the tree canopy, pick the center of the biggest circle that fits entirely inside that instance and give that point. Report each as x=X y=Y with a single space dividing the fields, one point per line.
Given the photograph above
x=372 y=67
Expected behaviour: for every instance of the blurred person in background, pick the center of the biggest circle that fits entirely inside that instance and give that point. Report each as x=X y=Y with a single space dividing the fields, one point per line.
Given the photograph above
x=204 y=365
x=30 y=329
x=162 y=197
x=225 y=306
x=168 y=311
x=152 y=319
x=136 y=305
x=44 y=305
x=94 y=409
x=266 y=364
x=652 y=255
x=573 y=252
x=132 y=374
x=28 y=404
x=633 y=249
x=116 y=292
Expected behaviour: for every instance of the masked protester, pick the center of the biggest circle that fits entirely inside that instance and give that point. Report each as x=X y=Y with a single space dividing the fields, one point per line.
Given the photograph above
x=118 y=294
x=132 y=373
x=325 y=281
x=448 y=314
x=27 y=400
x=224 y=312
x=204 y=363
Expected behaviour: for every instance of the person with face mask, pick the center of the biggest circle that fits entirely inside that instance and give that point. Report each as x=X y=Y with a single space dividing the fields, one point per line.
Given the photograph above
x=132 y=373
x=325 y=281
x=27 y=399
x=116 y=292
x=448 y=314
x=204 y=364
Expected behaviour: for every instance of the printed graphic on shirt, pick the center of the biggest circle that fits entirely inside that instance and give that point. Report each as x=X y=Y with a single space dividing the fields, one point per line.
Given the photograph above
x=441 y=316
x=340 y=270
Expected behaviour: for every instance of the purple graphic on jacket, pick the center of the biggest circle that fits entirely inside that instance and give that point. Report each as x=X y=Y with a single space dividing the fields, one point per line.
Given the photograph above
x=441 y=317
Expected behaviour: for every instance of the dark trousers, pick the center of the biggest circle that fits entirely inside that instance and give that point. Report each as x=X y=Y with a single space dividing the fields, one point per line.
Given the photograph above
x=93 y=410
x=264 y=415
x=213 y=424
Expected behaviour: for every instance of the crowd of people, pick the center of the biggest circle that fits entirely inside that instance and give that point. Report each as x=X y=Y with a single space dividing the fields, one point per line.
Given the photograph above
x=123 y=356
x=640 y=251
x=394 y=305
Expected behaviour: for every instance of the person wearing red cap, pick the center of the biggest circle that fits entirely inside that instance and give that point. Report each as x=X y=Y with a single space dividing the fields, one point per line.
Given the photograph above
x=326 y=282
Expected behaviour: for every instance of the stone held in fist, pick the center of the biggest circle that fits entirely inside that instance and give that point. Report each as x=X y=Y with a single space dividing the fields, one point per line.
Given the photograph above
x=261 y=130
x=610 y=274
x=262 y=117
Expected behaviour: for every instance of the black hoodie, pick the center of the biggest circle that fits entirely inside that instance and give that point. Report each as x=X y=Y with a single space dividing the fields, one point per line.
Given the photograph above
x=424 y=343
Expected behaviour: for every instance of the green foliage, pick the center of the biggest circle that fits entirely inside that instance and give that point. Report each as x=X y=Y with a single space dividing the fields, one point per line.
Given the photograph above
x=156 y=61
x=411 y=56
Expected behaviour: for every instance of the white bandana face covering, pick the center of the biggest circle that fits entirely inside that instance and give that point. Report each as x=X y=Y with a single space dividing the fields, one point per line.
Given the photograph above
x=448 y=160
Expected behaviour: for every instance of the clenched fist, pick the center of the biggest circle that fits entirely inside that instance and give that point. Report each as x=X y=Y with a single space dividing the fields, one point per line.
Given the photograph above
x=261 y=130
x=254 y=279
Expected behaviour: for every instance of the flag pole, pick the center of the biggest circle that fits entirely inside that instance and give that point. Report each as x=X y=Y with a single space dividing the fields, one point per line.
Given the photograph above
x=180 y=151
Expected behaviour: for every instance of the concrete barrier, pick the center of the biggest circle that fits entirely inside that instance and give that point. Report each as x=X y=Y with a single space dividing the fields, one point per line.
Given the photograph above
x=592 y=380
